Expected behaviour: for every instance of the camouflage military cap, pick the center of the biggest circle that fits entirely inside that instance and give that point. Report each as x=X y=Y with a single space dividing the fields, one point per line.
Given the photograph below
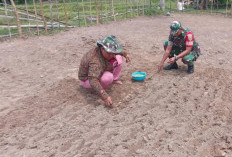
x=175 y=26
x=111 y=44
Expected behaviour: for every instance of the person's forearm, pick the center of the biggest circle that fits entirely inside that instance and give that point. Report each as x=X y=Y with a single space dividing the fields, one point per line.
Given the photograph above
x=95 y=84
x=184 y=53
x=165 y=56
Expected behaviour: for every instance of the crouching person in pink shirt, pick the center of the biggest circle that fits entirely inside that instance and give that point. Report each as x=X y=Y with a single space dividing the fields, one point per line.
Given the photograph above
x=102 y=66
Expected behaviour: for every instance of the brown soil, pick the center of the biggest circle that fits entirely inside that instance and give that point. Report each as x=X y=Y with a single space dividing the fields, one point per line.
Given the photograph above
x=44 y=111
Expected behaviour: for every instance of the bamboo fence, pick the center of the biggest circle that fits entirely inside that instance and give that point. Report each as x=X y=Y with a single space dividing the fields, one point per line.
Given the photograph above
x=38 y=17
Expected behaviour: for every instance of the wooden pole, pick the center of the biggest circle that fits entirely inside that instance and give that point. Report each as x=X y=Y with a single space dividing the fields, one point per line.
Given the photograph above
x=65 y=12
x=42 y=13
x=226 y=7
x=6 y=13
x=36 y=17
x=17 y=18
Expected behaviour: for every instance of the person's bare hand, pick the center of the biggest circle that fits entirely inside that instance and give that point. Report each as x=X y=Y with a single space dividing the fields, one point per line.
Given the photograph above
x=172 y=60
x=108 y=101
x=128 y=58
x=118 y=82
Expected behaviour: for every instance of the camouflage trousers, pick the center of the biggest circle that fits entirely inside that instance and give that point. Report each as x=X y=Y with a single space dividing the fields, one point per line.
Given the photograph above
x=188 y=59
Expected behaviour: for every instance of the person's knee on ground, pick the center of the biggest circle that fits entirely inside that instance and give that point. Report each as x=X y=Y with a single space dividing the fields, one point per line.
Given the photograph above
x=106 y=79
x=85 y=84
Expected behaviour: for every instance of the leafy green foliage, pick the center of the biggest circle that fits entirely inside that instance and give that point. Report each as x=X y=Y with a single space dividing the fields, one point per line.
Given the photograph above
x=153 y=11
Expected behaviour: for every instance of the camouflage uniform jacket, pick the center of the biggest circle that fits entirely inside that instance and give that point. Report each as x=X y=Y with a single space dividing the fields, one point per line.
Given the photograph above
x=92 y=66
x=186 y=39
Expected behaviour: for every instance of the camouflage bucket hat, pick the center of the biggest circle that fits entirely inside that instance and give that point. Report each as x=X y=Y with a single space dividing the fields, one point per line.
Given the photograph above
x=111 y=44
x=175 y=26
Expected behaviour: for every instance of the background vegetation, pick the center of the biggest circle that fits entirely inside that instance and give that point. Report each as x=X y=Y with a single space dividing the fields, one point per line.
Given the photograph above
x=62 y=14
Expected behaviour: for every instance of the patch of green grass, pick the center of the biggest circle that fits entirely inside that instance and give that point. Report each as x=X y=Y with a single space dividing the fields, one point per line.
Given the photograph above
x=152 y=11
x=5 y=31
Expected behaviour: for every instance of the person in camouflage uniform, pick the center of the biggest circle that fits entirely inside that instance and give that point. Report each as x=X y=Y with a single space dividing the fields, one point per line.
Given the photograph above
x=102 y=66
x=181 y=44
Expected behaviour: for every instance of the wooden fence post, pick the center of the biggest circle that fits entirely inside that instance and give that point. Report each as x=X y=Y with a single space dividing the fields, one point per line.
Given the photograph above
x=42 y=13
x=17 y=18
